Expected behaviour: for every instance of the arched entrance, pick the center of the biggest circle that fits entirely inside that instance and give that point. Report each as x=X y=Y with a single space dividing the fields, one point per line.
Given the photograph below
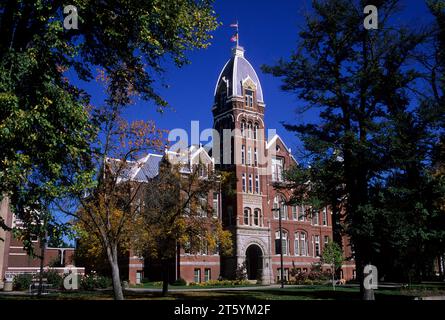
x=254 y=262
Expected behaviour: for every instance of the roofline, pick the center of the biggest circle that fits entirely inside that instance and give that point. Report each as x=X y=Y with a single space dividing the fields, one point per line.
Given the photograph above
x=275 y=137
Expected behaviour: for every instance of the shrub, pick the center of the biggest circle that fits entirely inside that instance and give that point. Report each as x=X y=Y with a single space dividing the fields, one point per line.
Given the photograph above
x=22 y=281
x=93 y=281
x=180 y=282
x=145 y=280
x=53 y=278
x=220 y=283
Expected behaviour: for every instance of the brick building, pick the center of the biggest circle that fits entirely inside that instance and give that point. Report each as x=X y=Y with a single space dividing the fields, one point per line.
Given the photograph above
x=252 y=213
x=14 y=260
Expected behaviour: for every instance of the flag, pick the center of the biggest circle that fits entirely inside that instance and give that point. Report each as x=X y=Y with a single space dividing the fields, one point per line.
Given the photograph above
x=234 y=25
x=234 y=38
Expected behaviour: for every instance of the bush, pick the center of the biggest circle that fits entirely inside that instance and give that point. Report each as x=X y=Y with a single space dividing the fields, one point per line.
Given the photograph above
x=180 y=282
x=220 y=283
x=311 y=278
x=145 y=280
x=22 y=281
x=93 y=281
x=53 y=278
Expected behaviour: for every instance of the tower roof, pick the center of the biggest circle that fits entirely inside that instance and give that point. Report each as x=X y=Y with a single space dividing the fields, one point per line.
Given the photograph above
x=235 y=72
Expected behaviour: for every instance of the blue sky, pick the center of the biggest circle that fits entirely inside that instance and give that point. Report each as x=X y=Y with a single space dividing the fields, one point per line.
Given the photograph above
x=268 y=31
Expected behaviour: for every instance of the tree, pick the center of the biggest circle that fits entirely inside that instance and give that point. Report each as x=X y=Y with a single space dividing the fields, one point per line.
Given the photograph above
x=178 y=215
x=54 y=144
x=106 y=213
x=356 y=78
x=332 y=255
x=46 y=130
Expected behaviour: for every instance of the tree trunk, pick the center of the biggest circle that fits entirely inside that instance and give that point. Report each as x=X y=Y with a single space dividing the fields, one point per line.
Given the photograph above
x=42 y=258
x=113 y=260
x=165 y=278
x=333 y=277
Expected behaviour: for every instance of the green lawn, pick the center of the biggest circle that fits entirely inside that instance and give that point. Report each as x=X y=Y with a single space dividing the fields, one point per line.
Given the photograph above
x=301 y=293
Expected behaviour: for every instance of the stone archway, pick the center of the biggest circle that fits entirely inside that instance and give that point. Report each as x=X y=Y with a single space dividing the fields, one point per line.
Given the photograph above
x=254 y=262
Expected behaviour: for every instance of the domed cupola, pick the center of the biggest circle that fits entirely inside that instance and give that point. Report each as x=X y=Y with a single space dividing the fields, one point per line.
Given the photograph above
x=238 y=79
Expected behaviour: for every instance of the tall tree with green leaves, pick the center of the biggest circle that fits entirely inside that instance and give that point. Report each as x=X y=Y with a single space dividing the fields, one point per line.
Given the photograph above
x=53 y=142
x=355 y=78
x=46 y=124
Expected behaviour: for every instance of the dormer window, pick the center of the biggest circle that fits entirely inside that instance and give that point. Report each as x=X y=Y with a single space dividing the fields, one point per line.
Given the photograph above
x=248 y=98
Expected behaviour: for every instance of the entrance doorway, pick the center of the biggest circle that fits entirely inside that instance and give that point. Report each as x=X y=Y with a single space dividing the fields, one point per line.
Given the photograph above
x=254 y=262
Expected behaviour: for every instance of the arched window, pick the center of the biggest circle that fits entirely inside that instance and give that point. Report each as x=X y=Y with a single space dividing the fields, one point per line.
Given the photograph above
x=284 y=243
x=256 y=217
x=248 y=98
x=255 y=131
x=249 y=130
x=279 y=201
x=303 y=243
x=243 y=128
x=246 y=218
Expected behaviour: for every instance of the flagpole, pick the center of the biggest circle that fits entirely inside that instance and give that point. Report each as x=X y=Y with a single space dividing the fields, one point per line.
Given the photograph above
x=237 y=33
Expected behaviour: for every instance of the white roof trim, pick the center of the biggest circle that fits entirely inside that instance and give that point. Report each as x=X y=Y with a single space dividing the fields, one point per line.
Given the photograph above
x=273 y=140
x=235 y=80
x=259 y=84
x=197 y=152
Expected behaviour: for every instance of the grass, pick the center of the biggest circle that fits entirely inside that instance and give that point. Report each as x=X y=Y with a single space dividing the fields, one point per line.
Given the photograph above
x=299 y=293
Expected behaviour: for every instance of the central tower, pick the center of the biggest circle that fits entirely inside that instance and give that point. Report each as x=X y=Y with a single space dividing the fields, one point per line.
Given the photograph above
x=238 y=113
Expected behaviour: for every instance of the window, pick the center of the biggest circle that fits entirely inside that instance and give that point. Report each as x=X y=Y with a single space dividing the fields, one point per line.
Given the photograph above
x=243 y=128
x=294 y=212
x=249 y=156
x=283 y=210
x=249 y=130
x=303 y=244
x=248 y=98
x=285 y=274
x=246 y=216
x=316 y=217
x=325 y=217
x=279 y=202
x=283 y=245
x=207 y=275
x=277 y=169
x=301 y=213
x=255 y=131
x=256 y=217
x=326 y=240
x=244 y=182
x=257 y=184
x=202 y=170
x=250 y=183
x=138 y=277
x=215 y=204
x=317 y=246
x=297 y=244
x=255 y=158
x=197 y=276
x=243 y=154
